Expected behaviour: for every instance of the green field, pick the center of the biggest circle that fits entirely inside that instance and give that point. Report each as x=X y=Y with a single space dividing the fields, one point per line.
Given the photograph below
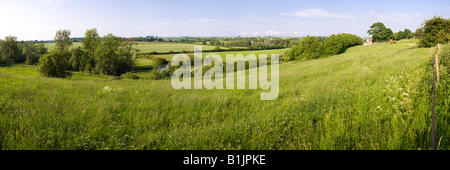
x=145 y=47
x=167 y=47
x=223 y=54
x=371 y=97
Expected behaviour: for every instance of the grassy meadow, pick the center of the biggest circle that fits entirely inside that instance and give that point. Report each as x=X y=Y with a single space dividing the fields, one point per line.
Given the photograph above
x=370 y=97
x=223 y=54
x=147 y=47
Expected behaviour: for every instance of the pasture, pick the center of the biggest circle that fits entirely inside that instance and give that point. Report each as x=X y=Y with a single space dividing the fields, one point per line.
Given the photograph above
x=147 y=47
x=371 y=97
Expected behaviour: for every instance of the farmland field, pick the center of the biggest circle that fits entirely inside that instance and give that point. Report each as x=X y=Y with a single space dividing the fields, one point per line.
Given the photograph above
x=223 y=54
x=167 y=47
x=147 y=47
x=370 y=97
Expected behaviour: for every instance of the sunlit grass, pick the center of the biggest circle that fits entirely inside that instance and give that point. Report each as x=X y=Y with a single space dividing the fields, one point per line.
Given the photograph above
x=371 y=97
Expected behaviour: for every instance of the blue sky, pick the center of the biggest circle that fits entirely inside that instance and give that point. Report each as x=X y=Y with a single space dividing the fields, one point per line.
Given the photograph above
x=39 y=19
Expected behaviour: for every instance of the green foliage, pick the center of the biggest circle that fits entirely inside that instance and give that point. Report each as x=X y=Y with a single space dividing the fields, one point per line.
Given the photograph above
x=314 y=47
x=30 y=53
x=337 y=44
x=403 y=34
x=62 y=40
x=54 y=64
x=10 y=51
x=434 y=31
x=79 y=59
x=57 y=62
x=366 y=99
x=113 y=56
x=380 y=33
x=308 y=48
x=89 y=45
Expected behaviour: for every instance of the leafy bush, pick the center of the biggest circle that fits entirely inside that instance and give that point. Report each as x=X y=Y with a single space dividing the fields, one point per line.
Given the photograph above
x=337 y=44
x=54 y=64
x=308 y=48
x=315 y=47
x=434 y=31
x=10 y=51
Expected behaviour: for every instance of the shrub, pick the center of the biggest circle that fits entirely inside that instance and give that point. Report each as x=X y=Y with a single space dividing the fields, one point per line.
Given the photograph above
x=308 y=48
x=337 y=44
x=314 y=47
x=54 y=64
x=434 y=31
x=10 y=51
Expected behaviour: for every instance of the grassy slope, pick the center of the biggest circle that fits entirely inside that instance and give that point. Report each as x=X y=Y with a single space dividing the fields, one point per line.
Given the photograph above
x=371 y=97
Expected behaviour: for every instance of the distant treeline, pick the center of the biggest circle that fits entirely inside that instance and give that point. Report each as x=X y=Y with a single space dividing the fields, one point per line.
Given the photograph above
x=13 y=52
x=315 y=47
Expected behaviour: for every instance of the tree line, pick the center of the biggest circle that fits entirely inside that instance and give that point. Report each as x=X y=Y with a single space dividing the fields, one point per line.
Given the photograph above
x=12 y=51
x=107 y=55
x=316 y=47
x=380 y=33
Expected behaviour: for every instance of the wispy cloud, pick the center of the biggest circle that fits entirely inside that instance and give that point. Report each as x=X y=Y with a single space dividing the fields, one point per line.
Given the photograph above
x=272 y=32
x=254 y=33
x=317 y=13
x=392 y=16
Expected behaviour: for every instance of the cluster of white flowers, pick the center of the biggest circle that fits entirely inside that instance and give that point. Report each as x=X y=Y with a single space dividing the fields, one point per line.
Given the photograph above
x=107 y=89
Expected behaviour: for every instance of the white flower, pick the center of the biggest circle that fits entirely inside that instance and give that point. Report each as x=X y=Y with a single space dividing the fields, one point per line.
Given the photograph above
x=107 y=89
x=378 y=107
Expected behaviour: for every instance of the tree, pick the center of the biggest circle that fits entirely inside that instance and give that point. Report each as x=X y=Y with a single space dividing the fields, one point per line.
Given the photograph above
x=395 y=36
x=379 y=32
x=90 y=44
x=56 y=63
x=308 y=48
x=114 y=56
x=10 y=51
x=78 y=60
x=434 y=31
x=62 y=40
x=30 y=51
x=418 y=33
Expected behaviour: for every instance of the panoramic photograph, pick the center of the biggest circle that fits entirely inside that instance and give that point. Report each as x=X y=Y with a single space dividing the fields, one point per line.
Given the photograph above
x=200 y=75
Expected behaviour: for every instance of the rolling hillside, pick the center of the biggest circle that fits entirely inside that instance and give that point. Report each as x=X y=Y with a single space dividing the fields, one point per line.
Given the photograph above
x=370 y=97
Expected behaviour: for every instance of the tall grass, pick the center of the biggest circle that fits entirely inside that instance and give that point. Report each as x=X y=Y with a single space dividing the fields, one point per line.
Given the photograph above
x=371 y=97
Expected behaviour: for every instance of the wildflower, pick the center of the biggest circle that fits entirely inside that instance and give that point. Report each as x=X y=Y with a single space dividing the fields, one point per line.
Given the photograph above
x=107 y=89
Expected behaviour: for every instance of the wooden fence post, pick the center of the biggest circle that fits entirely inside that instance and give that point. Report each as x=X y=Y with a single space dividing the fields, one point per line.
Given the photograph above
x=436 y=59
x=435 y=78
